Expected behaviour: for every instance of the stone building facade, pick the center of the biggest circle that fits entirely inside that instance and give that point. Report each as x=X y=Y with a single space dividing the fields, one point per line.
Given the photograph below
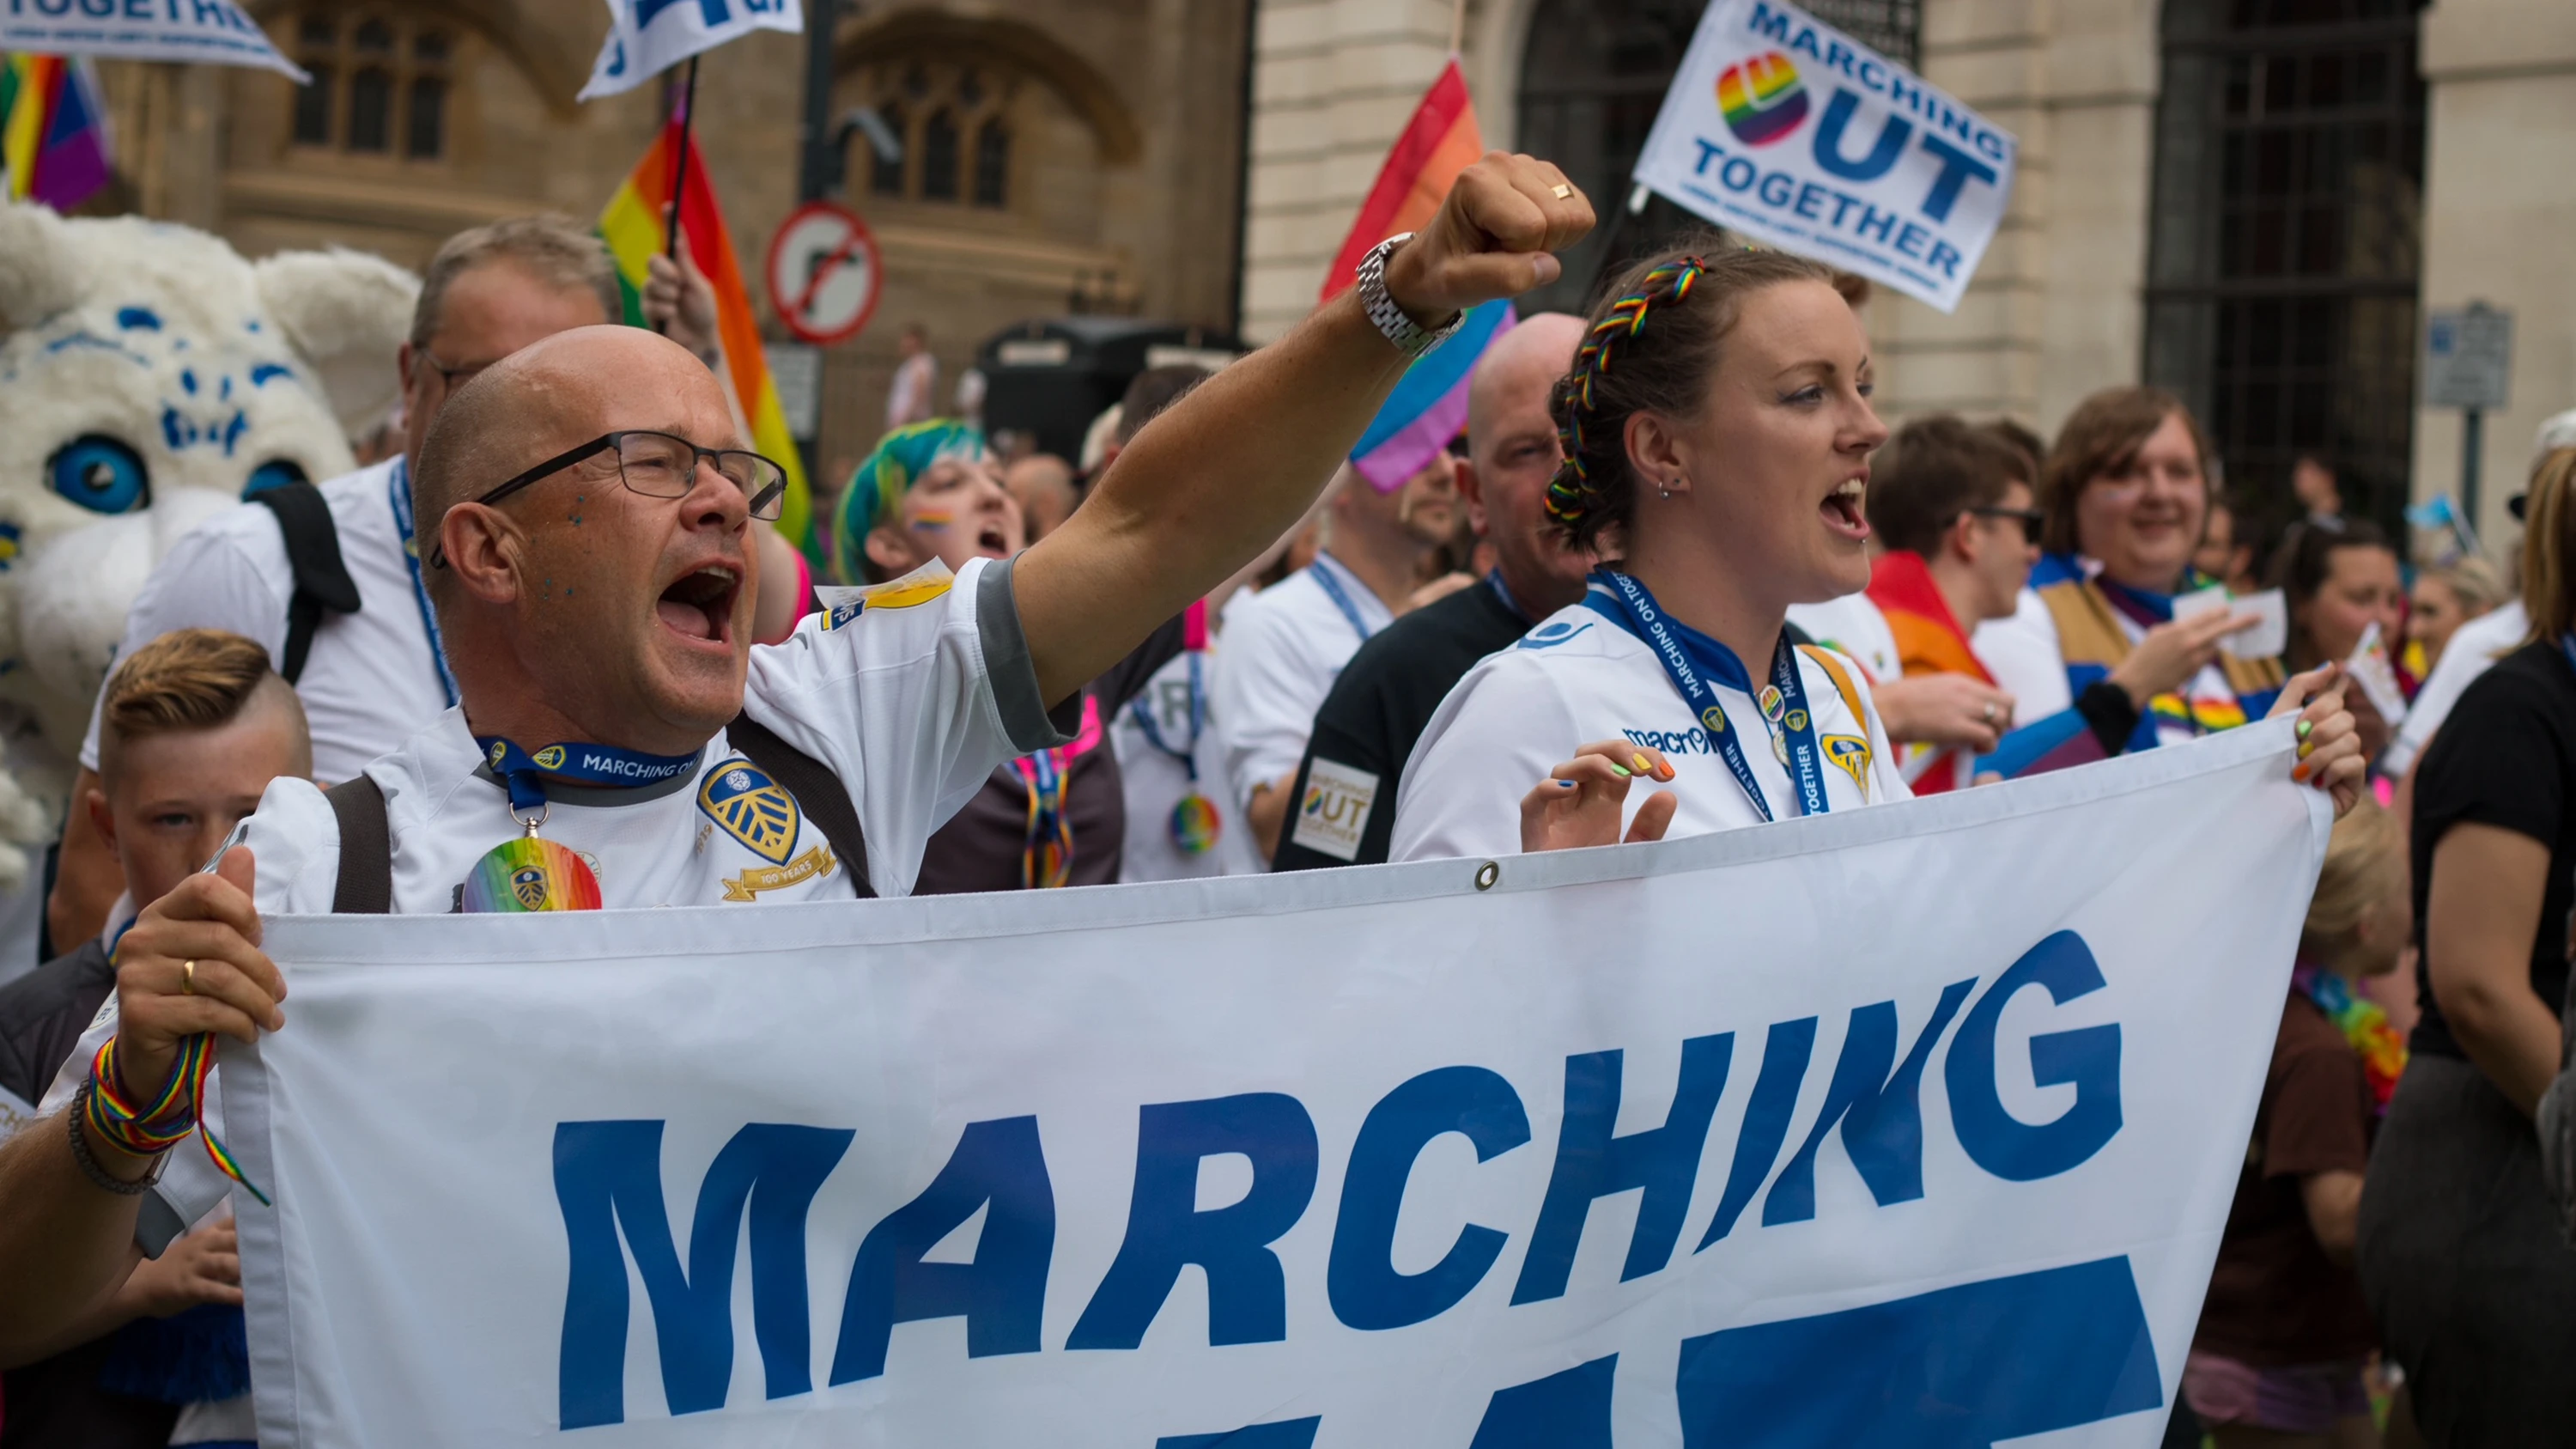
x=1059 y=154
x=2254 y=202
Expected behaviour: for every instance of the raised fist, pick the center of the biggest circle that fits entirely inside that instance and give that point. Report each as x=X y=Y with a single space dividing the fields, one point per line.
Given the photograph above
x=1494 y=237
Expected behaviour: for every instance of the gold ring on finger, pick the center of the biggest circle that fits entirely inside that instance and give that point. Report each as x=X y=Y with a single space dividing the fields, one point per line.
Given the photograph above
x=187 y=978
x=1561 y=191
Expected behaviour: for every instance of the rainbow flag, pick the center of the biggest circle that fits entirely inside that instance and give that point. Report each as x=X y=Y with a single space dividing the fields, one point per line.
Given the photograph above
x=53 y=129
x=632 y=226
x=1429 y=406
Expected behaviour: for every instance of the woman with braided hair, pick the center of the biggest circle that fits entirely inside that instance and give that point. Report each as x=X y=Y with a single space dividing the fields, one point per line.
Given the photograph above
x=1717 y=431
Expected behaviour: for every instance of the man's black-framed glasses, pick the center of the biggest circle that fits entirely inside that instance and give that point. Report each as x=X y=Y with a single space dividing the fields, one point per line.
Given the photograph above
x=658 y=465
x=2032 y=520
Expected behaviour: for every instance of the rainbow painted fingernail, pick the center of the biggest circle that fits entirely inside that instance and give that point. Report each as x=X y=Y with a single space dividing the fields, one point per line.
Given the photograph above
x=1643 y=765
x=1622 y=771
x=1664 y=771
x=2300 y=774
x=2304 y=728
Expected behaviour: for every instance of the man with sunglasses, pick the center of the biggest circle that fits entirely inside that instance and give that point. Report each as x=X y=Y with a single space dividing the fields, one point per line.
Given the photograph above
x=590 y=504
x=1954 y=506
x=367 y=675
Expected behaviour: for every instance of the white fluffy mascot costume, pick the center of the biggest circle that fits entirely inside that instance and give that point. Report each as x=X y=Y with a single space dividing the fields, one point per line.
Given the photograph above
x=149 y=377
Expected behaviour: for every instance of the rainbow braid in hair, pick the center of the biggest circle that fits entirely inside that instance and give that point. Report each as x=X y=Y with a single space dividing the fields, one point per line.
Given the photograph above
x=1570 y=495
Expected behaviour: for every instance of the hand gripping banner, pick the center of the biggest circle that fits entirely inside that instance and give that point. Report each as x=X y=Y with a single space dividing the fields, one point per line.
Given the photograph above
x=1912 y=1126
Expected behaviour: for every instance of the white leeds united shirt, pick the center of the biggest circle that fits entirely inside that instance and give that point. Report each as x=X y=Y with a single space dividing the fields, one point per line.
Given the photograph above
x=911 y=702
x=1577 y=678
x=371 y=678
x=1281 y=651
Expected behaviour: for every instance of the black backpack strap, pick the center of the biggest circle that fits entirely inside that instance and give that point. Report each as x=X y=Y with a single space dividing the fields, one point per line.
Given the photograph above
x=366 y=886
x=313 y=554
x=826 y=801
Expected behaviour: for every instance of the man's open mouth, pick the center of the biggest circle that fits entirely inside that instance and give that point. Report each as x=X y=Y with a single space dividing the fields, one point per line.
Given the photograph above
x=700 y=604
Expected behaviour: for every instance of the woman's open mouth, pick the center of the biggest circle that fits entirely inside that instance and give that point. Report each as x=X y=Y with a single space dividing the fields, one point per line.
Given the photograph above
x=699 y=605
x=1842 y=509
x=991 y=542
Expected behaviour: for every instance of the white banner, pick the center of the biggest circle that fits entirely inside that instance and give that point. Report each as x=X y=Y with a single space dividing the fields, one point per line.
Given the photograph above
x=1783 y=128
x=648 y=37
x=218 y=32
x=1910 y=1126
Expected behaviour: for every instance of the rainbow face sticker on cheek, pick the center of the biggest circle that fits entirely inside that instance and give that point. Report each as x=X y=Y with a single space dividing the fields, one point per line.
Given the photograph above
x=530 y=874
x=933 y=520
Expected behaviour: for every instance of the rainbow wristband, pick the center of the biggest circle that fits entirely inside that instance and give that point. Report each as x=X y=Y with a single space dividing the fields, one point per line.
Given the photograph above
x=177 y=1111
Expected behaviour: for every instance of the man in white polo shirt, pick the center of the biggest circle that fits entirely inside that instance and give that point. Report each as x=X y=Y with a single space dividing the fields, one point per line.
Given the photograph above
x=590 y=502
x=1285 y=646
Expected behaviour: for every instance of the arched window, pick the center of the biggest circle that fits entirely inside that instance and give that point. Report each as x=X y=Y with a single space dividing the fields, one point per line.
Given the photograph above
x=939 y=156
x=993 y=163
x=954 y=124
x=2285 y=241
x=376 y=77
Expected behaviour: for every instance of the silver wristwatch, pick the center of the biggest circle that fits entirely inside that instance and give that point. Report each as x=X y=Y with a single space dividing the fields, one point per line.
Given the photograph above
x=1409 y=337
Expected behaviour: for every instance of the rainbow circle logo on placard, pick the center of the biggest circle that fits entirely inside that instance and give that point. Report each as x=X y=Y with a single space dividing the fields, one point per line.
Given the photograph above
x=530 y=874
x=1761 y=98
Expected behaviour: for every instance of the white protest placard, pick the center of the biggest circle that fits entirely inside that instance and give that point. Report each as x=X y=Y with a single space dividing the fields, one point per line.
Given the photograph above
x=1909 y=1126
x=216 y=32
x=648 y=37
x=1789 y=131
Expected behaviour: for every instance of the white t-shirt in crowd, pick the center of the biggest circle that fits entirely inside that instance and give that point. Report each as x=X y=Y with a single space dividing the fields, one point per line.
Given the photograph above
x=2474 y=648
x=1852 y=625
x=1156 y=779
x=2021 y=653
x=1580 y=677
x=1284 y=647
x=911 y=706
x=371 y=677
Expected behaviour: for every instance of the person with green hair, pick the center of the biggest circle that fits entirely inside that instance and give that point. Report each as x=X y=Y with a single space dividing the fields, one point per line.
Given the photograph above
x=929 y=491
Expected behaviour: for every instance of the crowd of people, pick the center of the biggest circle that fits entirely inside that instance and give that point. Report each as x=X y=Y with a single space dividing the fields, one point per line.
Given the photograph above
x=1675 y=577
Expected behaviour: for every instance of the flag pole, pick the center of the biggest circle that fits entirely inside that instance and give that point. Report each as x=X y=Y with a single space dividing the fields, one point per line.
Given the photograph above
x=1457 y=24
x=680 y=156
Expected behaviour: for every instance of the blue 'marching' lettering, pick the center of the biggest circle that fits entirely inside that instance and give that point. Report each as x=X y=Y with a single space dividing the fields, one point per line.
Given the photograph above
x=999 y=1167
x=1769 y=22
x=1247 y=1289
x=1957 y=1368
x=1958 y=168
x=609 y=1174
x=1785 y=1051
x=1881 y=1112
x=1591 y=1164
x=2089 y=1057
x=1568 y=1410
x=1360 y=1279
x=1893 y=132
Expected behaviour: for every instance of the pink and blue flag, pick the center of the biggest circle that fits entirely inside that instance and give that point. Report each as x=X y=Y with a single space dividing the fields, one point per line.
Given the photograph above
x=1429 y=406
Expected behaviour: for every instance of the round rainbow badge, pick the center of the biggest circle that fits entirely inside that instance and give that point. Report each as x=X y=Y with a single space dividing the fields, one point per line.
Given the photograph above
x=1195 y=824
x=1761 y=98
x=531 y=874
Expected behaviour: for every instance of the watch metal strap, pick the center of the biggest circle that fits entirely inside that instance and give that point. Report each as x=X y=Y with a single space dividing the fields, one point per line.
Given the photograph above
x=1410 y=337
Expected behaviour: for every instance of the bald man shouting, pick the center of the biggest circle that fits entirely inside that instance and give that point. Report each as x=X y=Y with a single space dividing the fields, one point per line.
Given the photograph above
x=1385 y=697
x=586 y=502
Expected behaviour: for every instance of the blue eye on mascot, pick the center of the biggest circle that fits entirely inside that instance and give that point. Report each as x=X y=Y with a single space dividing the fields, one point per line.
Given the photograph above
x=150 y=377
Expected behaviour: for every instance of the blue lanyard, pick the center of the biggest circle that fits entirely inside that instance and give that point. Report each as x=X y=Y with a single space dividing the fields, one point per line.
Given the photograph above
x=526 y=772
x=1688 y=655
x=1340 y=596
x=1502 y=591
x=398 y=492
x=2567 y=646
x=1144 y=718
